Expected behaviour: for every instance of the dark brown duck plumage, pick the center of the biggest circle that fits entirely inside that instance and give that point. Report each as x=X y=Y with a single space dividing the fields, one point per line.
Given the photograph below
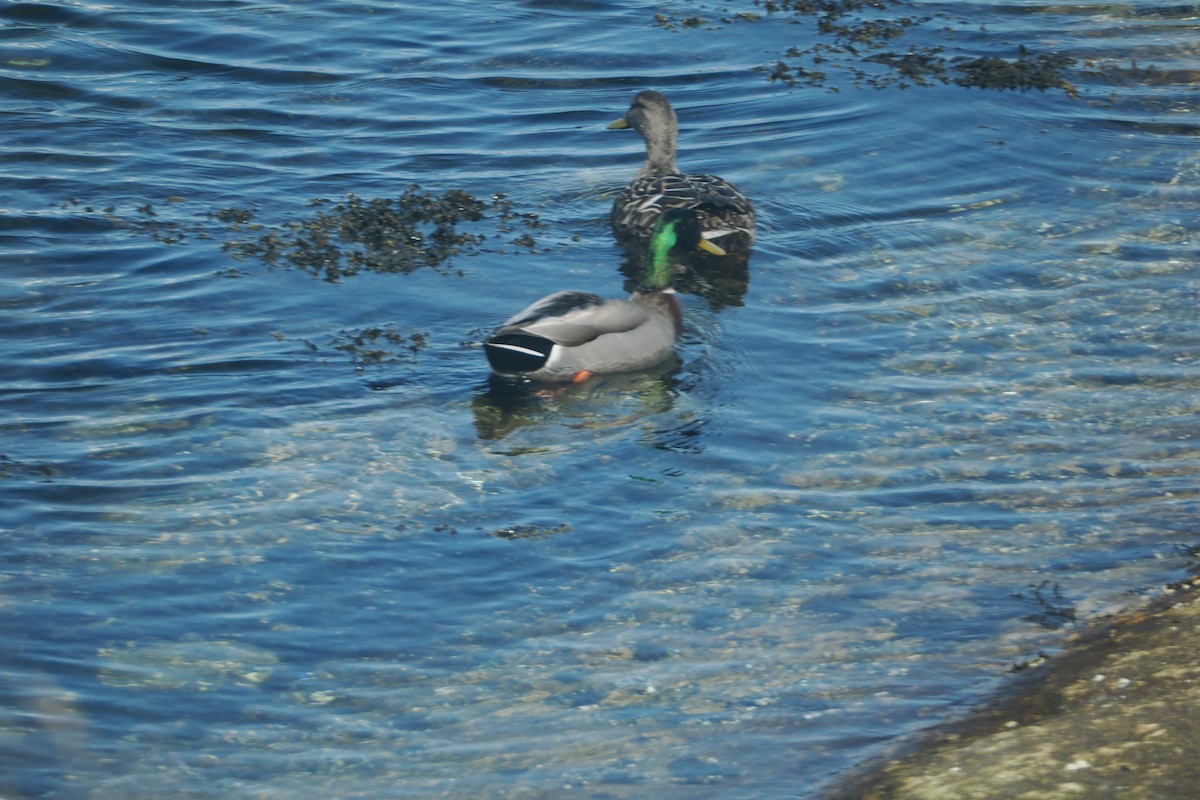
x=726 y=215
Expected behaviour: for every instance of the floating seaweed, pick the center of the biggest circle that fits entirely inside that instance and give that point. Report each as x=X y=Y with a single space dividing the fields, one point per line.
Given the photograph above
x=375 y=346
x=528 y=531
x=856 y=36
x=339 y=239
x=146 y=219
x=402 y=234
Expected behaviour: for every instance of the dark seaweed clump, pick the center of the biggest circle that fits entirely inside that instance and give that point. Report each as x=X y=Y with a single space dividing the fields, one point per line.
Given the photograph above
x=1042 y=71
x=857 y=37
x=374 y=346
x=371 y=346
x=339 y=239
x=530 y=531
x=402 y=234
x=146 y=219
x=1026 y=71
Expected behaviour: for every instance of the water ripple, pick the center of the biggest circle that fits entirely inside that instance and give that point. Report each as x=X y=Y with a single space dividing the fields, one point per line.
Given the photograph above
x=960 y=364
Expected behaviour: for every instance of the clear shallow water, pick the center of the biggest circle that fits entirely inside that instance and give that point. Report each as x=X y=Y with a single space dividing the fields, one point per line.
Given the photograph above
x=237 y=562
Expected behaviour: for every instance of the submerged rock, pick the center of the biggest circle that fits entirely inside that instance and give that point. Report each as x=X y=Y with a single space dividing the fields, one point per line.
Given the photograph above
x=185 y=665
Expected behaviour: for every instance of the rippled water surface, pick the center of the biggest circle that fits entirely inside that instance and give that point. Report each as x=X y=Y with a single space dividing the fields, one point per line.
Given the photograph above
x=268 y=534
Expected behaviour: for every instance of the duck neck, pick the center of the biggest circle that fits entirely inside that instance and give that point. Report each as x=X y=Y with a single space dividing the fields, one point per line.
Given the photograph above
x=658 y=273
x=660 y=150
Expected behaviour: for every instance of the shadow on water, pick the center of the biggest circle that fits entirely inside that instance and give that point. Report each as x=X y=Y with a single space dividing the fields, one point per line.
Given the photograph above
x=503 y=406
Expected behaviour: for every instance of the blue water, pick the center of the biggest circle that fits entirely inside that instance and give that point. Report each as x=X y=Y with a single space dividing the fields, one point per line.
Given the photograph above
x=954 y=408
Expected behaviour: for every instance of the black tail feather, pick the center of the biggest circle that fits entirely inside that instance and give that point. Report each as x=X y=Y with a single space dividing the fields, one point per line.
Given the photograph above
x=516 y=353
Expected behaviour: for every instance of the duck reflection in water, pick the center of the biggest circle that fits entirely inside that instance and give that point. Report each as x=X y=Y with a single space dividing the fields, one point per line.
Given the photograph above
x=502 y=406
x=722 y=281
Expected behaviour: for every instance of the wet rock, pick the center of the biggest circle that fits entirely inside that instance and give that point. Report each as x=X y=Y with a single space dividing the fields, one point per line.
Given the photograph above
x=650 y=651
x=1112 y=718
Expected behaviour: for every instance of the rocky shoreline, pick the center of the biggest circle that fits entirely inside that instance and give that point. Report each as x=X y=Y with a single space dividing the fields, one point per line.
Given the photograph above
x=1116 y=715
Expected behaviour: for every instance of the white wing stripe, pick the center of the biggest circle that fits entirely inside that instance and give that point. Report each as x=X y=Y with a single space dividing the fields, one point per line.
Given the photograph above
x=516 y=349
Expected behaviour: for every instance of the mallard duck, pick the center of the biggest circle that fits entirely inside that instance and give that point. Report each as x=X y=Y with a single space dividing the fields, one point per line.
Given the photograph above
x=726 y=216
x=568 y=336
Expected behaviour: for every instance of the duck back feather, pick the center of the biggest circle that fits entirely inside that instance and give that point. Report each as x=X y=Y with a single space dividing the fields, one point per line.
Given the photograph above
x=727 y=216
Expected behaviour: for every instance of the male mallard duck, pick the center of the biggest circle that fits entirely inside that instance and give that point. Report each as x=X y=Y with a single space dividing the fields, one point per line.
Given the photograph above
x=568 y=336
x=726 y=215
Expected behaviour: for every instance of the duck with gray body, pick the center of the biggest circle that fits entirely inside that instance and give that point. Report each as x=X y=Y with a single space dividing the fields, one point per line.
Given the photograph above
x=727 y=216
x=569 y=335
